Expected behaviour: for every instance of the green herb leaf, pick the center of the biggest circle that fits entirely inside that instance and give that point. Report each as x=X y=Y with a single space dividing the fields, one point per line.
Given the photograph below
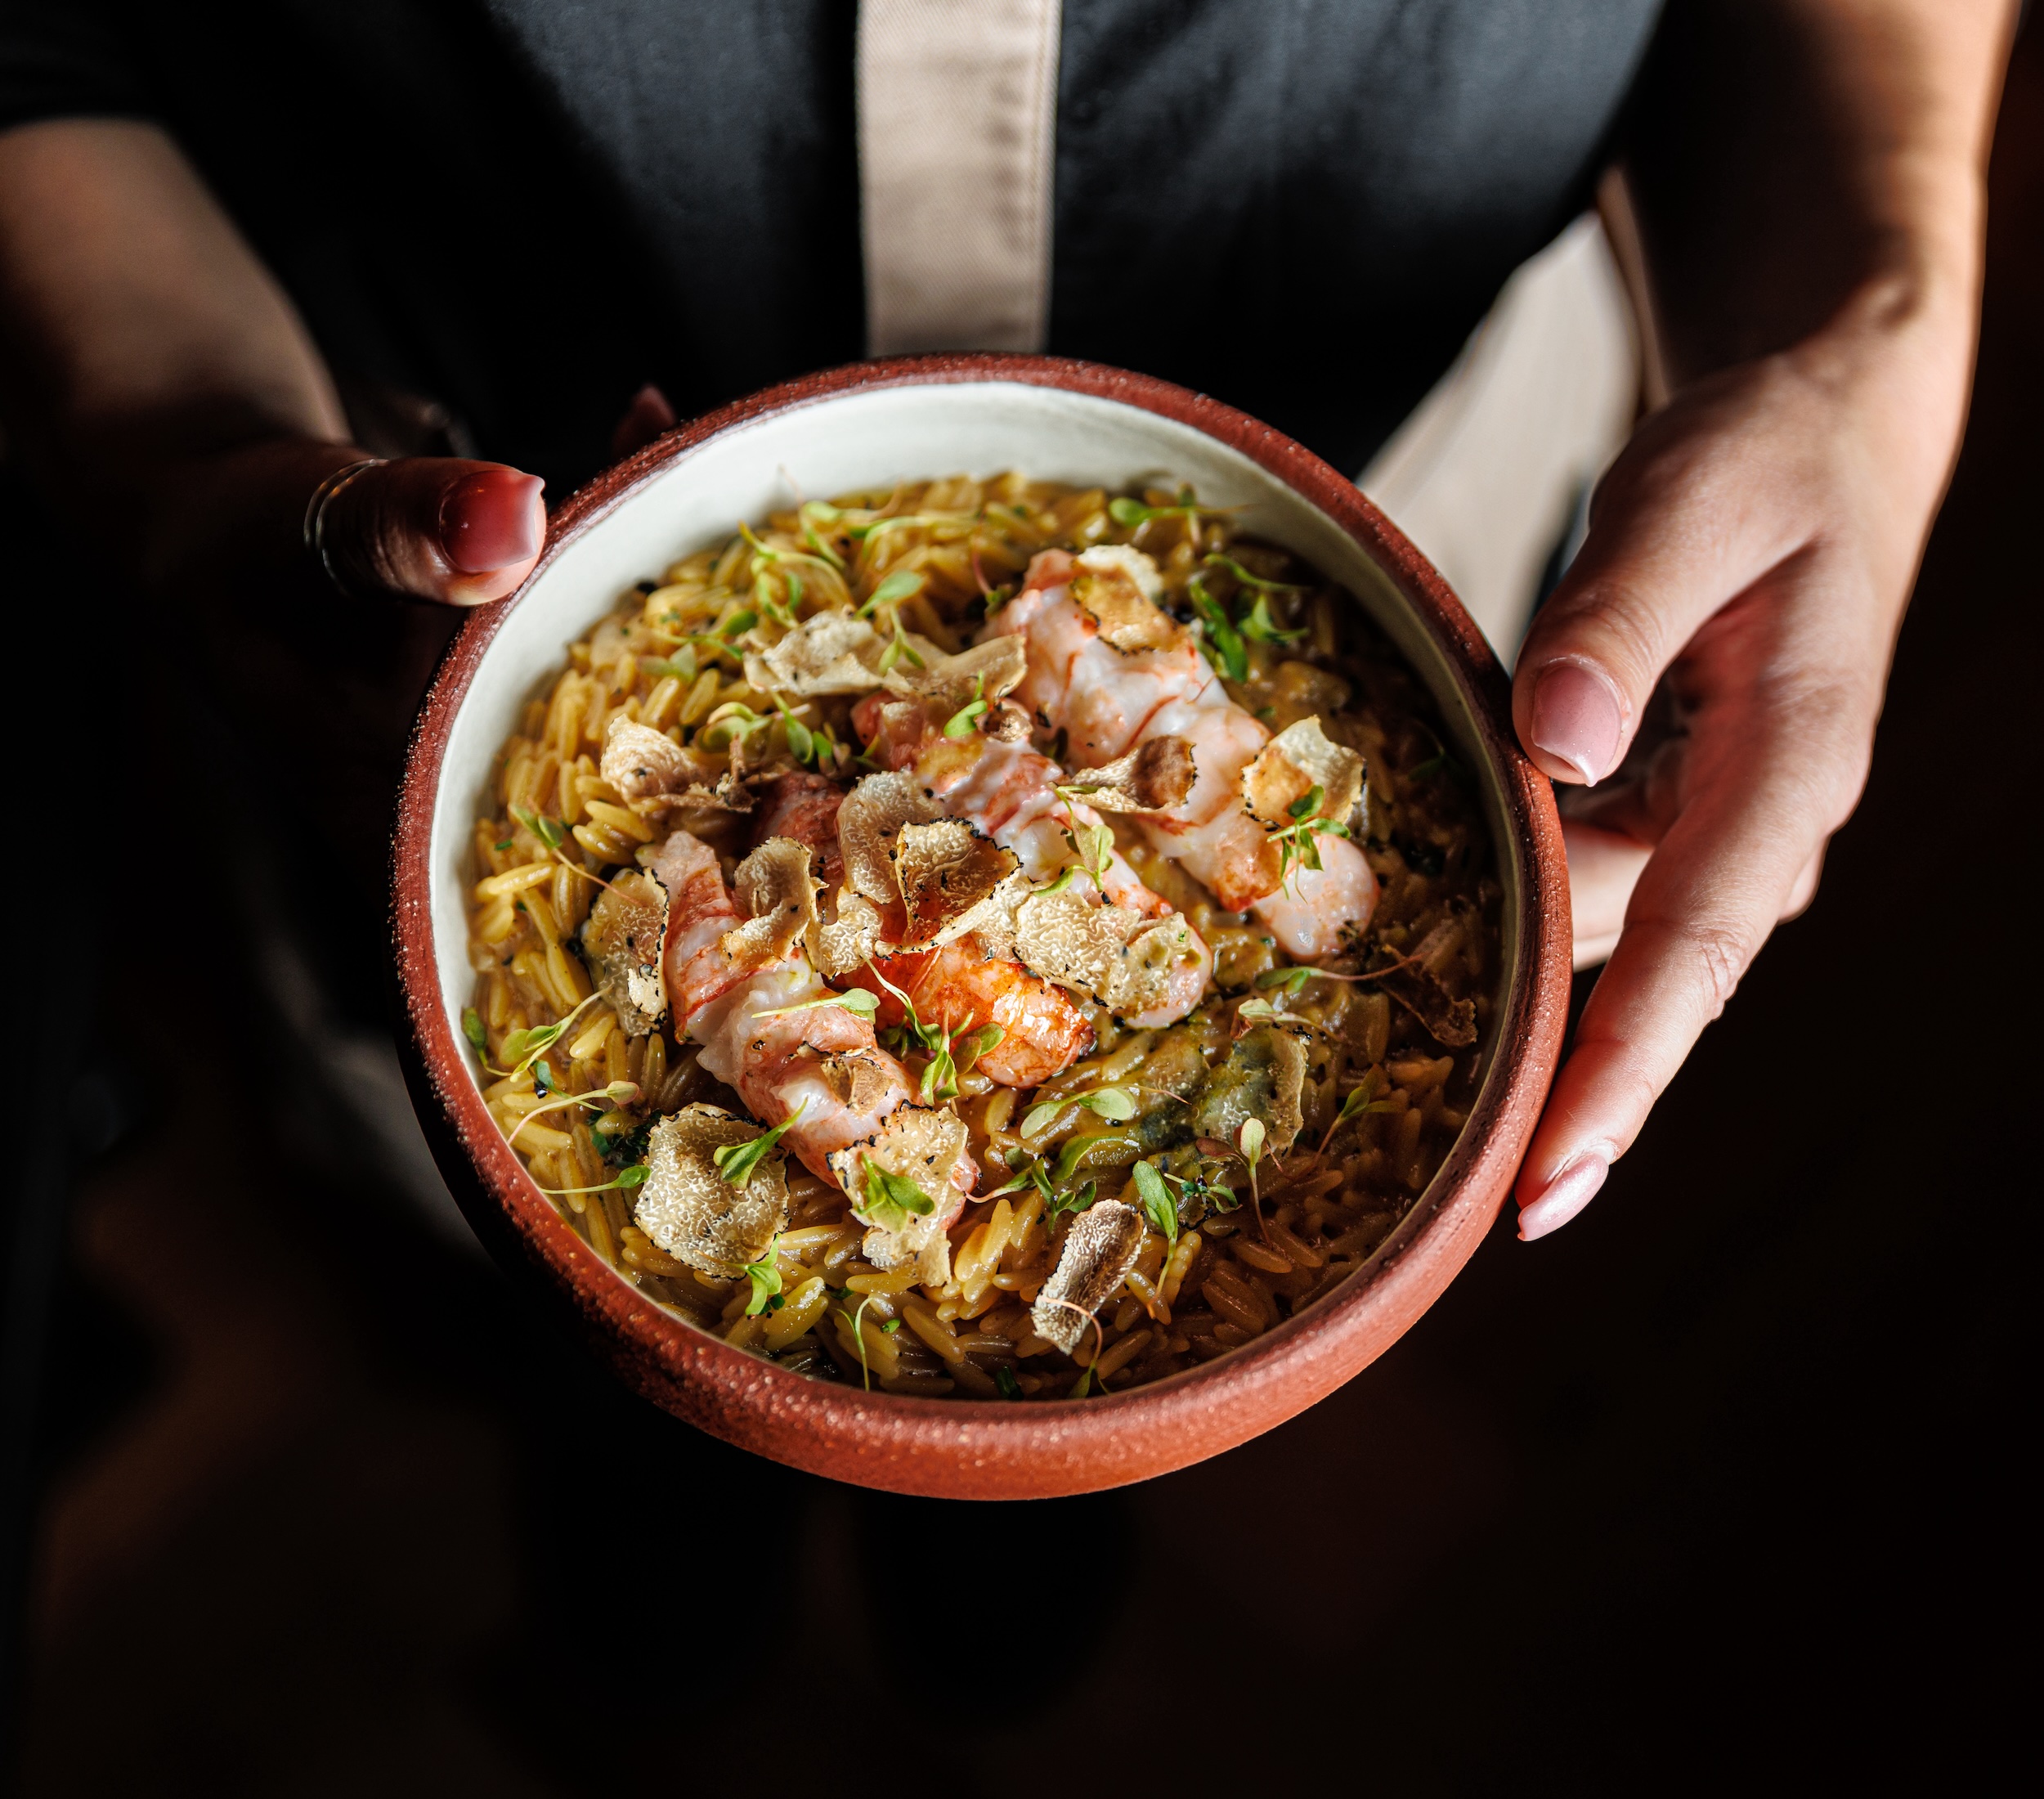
x=1074 y=1203
x=1221 y=632
x=472 y=1029
x=890 y=1327
x=737 y=624
x=1292 y=980
x=903 y=584
x=1257 y=582
x=1004 y=1379
x=960 y=724
x=765 y=1276
x=1258 y=1011
x=505 y=845
x=1112 y=1103
x=547 y=830
x=736 y=1161
x=1249 y=1140
x=1307 y=803
x=1158 y=1206
x=853 y=999
x=1265 y=629
x=892 y=1200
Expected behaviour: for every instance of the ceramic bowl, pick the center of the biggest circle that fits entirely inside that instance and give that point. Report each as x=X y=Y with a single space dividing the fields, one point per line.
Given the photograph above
x=860 y=427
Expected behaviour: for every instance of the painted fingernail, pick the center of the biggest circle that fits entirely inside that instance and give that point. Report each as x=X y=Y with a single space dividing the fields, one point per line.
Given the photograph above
x=491 y=519
x=1577 y=718
x=1566 y=1195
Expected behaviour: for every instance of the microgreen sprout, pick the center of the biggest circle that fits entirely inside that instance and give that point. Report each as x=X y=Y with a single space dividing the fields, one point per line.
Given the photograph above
x=736 y=1161
x=1361 y=1100
x=526 y=1046
x=1221 y=632
x=853 y=1318
x=802 y=743
x=551 y=832
x=1247 y=579
x=472 y=1029
x=765 y=1276
x=1157 y=1204
x=903 y=584
x=1074 y=1203
x=627 y=1179
x=892 y=1200
x=960 y=722
x=1112 y=1103
x=617 y=1093
x=1094 y=845
x=1298 y=842
x=854 y=1000
x=1004 y=1379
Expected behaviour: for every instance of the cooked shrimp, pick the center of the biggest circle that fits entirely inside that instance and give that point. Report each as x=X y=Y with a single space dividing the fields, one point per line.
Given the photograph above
x=1107 y=700
x=821 y=1064
x=1009 y=792
x=1043 y=1031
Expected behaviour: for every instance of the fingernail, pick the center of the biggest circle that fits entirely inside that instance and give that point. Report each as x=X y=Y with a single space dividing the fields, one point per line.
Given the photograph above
x=491 y=519
x=1577 y=718
x=1566 y=1195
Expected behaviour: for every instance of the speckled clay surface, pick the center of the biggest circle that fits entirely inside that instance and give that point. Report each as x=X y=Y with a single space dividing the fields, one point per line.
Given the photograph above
x=860 y=426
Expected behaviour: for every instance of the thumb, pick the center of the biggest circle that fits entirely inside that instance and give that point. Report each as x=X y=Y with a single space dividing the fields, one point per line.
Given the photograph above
x=1685 y=520
x=436 y=528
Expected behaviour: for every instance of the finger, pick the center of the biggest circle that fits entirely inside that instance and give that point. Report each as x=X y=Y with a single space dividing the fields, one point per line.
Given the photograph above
x=647 y=416
x=1603 y=869
x=1724 y=873
x=436 y=528
x=1683 y=521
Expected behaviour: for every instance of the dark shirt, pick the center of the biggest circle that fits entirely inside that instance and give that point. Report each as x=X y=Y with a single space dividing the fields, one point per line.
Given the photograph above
x=525 y=208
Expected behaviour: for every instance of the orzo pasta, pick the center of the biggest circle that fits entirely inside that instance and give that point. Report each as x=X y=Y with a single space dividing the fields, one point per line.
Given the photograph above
x=983 y=939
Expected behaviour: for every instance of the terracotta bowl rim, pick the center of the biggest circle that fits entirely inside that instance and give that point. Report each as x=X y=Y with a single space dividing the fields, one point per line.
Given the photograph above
x=899 y=1438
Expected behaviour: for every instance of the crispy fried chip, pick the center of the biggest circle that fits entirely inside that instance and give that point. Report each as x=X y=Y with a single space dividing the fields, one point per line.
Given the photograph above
x=622 y=937
x=922 y=1145
x=832 y=652
x=1294 y=762
x=1121 y=957
x=691 y=1211
x=1117 y=587
x=946 y=683
x=1264 y=1077
x=1098 y=1251
x=776 y=893
x=872 y=813
x=951 y=875
x=1154 y=777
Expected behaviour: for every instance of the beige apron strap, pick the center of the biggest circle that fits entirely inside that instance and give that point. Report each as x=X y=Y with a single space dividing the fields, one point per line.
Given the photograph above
x=957 y=121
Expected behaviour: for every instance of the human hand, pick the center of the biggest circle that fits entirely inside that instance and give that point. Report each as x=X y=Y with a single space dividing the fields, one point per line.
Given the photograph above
x=431 y=527
x=1748 y=563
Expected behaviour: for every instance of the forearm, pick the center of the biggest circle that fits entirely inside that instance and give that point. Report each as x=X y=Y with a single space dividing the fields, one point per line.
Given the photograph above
x=1800 y=165
x=146 y=358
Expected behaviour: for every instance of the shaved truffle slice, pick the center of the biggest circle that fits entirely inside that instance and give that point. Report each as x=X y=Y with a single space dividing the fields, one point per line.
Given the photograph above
x=1121 y=957
x=1264 y=1077
x=850 y=940
x=622 y=937
x=1450 y=1022
x=832 y=652
x=924 y=1147
x=985 y=671
x=654 y=775
x=1294 y=762
x=857 y=1079
x=777 y=895
x=951 y=874
x=691 y=1211
x=872 y=813
x=1115 y=587
x=1154 y=777
x=1098 y=1251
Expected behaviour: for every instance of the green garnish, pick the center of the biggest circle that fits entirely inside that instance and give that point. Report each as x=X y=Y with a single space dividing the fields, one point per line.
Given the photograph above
x=1247 y=579
x=1112 y=1103
x=892 y=1200
x=1298 y=842
x=627 y=1179
x=890 y=1327
x=765 y=1276
x=547 y=830
x=1263 y=628
x=472 y=1029
x=1221 y=632
x=1094 y=845
x=1071 y=1202
x=1292 y=980
x=1004 y=1379
x=903 y=584
x=506 y=843
x=736 y=1161
x=855 y=999
x=1158 y=1205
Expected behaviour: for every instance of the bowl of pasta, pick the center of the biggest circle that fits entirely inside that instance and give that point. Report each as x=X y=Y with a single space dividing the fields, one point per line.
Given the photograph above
x=978 y=925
